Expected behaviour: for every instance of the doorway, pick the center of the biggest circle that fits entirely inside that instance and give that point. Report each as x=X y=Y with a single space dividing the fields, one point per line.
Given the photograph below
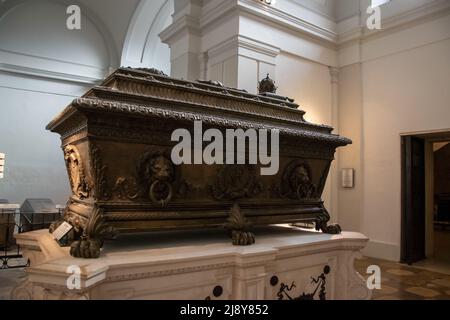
x=441 y=202
x=425 y=234
x=413 y=199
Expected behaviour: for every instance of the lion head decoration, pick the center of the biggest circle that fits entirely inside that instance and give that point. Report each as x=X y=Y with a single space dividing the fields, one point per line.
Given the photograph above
x=297 y=182
x=157 y=174
x=160 y=168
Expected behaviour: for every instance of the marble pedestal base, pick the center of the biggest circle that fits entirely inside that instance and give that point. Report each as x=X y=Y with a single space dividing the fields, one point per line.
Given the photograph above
x=285 y=263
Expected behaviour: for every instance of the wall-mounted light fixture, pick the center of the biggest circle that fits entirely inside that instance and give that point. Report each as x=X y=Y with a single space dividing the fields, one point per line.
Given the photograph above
x=2 y=165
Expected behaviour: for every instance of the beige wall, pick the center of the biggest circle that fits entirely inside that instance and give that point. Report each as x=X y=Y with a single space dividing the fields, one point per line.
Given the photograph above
x=44 y=66
x=34 y=160
x=309 y=83
x=402 y=92
x=350 y=125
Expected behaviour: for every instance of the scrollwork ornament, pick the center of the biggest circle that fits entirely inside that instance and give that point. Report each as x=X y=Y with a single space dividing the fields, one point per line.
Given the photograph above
x=126 y=188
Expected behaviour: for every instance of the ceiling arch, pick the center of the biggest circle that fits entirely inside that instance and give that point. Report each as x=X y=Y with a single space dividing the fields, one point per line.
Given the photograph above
x=34 y=40
x=143 y=47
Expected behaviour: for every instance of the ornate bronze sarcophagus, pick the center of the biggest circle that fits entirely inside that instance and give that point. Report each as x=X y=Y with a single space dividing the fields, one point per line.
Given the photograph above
x=118 y=143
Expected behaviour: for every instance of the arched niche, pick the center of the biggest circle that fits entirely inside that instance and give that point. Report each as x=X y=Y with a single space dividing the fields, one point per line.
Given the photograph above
x=34 y=39
x=143 y=47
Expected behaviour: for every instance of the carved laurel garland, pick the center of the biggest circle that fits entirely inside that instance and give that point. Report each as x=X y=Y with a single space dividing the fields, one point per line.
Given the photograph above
x=305 y=149
x=161 y=112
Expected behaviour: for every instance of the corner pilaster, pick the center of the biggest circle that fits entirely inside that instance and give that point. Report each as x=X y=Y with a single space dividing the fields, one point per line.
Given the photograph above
x=334 y=176
x=207 y=42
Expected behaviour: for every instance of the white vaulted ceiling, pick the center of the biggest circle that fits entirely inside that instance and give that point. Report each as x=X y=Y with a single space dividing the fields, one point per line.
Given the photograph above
x=339 y=10
x=119 y=32
x=34 y=39
x=142 y=46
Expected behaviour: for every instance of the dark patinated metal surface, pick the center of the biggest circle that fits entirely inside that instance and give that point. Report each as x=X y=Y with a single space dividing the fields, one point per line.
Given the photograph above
x=117 y=142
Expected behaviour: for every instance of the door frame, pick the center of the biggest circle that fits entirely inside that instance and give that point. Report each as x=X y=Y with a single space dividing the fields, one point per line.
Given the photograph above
x=429 y=138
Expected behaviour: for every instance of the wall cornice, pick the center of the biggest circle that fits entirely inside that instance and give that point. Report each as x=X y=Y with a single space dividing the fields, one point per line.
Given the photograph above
x=182 y=26
x=287 y=20
x=42 y=67
x=304 y=34
x=319 y=12
x=355 y=30
x=347 y=30
x=46 y=74
x=237 y=45
x=419 y=32
x=258 y=46
x=217 y=12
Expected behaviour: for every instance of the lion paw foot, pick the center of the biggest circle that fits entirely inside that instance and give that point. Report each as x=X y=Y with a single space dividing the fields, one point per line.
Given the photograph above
x=242 y=238
x=88 y=249
x=331 y=229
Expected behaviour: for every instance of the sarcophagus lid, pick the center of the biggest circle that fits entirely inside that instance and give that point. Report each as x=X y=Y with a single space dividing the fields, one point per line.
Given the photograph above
x=119 y=141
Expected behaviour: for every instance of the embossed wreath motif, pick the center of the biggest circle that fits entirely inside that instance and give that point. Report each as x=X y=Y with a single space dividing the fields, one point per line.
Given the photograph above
x=235 y=182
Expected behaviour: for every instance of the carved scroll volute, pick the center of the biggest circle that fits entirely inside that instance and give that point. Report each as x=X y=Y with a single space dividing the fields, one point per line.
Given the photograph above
x=80 y=184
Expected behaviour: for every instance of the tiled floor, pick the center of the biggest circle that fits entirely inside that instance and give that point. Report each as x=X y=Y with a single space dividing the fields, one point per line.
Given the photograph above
x=442 y=244
x=398 y=282
x=402 y=282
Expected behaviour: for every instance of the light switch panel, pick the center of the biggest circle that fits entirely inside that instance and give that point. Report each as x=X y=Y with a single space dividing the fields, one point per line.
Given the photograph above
x=347 y=178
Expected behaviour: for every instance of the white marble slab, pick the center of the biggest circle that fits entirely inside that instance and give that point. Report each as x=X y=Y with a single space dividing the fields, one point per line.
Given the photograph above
x=190 y=264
